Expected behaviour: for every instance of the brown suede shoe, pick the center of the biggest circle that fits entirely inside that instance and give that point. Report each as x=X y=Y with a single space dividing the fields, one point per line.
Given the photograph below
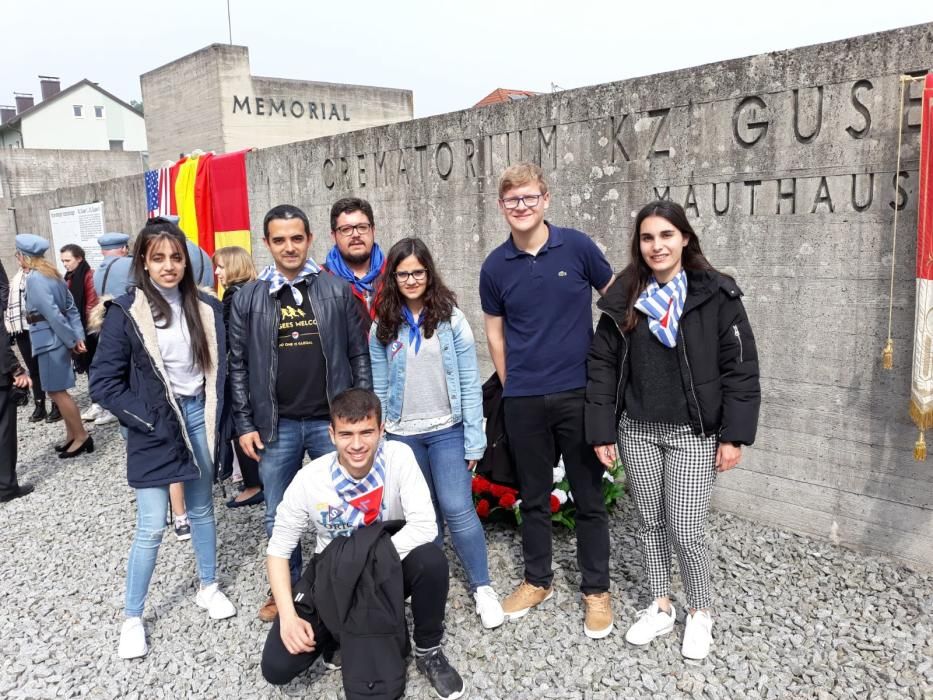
x=268 y=611
x=598 y=621
x=523 y=599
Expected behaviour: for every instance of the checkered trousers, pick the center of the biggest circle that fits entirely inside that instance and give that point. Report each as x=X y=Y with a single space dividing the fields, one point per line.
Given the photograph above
x=670 y=473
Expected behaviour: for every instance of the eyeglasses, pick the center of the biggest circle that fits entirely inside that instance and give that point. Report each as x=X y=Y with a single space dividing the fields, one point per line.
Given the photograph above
x=362 y=229
x=528 y=200
x=417 y=275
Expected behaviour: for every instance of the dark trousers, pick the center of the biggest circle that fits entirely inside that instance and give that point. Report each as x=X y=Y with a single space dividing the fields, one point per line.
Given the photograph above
x=25 y=349
x=8 y=483
x=249 y=467
x=425 y=575
x=541 y=429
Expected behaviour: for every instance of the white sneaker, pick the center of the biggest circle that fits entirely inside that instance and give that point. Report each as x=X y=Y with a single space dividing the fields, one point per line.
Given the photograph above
x=132 y=639
x=698 y=637
x=218 y=606
x=105 y=418
x=92 y=412
x=488 y=607
x=650 y=623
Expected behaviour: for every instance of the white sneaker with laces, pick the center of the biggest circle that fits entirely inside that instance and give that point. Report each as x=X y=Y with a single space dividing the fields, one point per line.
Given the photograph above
x=213 y=600
x=650 y=623
x=105 y=418
x=488 y=607
x=698 y=637
x=91 y=413
x=132 y=639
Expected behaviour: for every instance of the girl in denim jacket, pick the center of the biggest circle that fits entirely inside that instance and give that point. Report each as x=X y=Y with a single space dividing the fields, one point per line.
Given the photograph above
x=426 y=376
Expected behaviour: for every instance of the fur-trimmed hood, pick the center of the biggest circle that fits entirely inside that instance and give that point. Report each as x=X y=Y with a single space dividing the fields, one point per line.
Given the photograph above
x=129 y=378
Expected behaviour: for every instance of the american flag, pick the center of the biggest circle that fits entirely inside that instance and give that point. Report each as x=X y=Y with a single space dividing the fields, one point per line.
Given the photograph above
x=165 y=196
x=152 y=192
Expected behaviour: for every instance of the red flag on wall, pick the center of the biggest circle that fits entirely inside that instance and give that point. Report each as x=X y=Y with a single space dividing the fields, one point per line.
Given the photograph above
x=202 y=203
x=230 y=200
x=921 y=384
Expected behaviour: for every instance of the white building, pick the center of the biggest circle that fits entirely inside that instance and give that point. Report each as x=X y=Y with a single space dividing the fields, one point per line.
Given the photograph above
x=83 y=116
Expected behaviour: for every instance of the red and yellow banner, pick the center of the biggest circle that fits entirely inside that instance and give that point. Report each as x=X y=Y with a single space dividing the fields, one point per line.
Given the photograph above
x=208 y=193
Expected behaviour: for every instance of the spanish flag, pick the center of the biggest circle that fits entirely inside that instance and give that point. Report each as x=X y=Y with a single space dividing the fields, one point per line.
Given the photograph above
x=229 y=200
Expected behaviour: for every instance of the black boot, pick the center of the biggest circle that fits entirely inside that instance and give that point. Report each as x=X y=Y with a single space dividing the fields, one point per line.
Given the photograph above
x=54 y=415
x=39 y=413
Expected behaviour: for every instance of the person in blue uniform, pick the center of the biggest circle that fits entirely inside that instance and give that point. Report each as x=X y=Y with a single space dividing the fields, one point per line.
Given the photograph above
x=113 y=277
x=56 y=332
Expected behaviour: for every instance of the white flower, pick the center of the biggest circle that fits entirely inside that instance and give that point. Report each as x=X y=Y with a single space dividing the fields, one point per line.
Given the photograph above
x=559 y=472
x=560 y=495
x=609 y=477
x=517 y=504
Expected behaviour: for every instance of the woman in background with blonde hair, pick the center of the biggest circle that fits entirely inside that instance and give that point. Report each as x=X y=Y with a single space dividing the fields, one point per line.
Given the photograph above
x=55 y=331
x=233 y=268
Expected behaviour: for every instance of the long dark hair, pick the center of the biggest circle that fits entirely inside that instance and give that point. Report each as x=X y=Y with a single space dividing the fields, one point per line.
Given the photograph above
x=637 y=274
x=439 y=301
x=152 y=234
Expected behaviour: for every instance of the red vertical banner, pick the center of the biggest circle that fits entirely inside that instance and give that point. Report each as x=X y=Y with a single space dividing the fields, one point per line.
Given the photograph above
x=925 y=192
x=921 y=383
x=202 y=204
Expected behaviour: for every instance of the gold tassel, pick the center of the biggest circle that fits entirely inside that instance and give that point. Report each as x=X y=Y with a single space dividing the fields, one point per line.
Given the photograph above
x=887 y=355
x=920 y=449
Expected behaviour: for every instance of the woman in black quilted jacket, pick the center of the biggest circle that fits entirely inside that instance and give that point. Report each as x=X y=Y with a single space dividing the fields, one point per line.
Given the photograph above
x=673 y=382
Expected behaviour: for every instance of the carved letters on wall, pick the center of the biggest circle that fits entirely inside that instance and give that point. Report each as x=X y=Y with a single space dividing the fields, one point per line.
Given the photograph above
x=809 y=117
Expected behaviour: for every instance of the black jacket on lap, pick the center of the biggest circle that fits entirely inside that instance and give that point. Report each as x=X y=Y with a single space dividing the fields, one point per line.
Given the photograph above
x=358 y=591
x=717 y=357
x=254 y=330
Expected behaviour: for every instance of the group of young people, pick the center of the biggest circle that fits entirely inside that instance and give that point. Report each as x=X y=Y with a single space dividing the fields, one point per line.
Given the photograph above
x=368 y=367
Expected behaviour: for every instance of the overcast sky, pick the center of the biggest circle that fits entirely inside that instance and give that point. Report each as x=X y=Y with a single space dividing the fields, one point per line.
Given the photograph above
x=451 y=54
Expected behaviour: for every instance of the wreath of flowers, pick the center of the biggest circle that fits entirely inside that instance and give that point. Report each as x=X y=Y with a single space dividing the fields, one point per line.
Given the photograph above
x=495 y=501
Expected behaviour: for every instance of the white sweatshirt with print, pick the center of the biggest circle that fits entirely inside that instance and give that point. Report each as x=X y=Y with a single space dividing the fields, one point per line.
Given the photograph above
x=311 y=499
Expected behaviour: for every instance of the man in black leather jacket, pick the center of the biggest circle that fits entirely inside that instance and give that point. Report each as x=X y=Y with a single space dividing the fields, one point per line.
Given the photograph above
x=295 y=343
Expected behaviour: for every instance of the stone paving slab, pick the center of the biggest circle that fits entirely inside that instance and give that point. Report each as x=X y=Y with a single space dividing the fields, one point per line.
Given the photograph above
x=796 y=618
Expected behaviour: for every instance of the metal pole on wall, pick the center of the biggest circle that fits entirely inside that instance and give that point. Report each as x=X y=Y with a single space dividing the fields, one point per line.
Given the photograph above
x=229 y=25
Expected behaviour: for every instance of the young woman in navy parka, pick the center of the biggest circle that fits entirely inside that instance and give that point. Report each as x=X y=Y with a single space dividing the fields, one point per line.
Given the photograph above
x=673 y=379
x=160 y=369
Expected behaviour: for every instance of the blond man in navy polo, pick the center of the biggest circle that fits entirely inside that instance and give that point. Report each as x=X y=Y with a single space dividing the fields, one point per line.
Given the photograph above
x=536 y=291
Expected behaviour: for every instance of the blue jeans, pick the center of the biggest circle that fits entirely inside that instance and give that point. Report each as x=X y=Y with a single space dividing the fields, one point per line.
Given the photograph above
x=440 y=456
x=280 y=461
x=152 y=506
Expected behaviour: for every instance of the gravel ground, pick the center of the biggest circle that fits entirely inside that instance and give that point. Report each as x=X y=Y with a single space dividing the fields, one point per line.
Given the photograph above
x=795 y=617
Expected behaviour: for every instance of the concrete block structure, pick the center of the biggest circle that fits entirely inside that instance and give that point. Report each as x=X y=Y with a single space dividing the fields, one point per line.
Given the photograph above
x=28 y=171
x=210 y=100
x=787 y=166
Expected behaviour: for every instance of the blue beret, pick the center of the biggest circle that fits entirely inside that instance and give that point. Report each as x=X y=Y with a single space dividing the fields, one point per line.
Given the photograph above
x=112 y=241
x=31 y=244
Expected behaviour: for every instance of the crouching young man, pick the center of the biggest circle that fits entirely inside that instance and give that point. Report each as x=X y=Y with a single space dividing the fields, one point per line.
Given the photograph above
x=366 y=483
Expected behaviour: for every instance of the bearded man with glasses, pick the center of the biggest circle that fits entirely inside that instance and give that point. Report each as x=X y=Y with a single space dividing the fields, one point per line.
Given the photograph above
x=536 y=294
x=356 y=257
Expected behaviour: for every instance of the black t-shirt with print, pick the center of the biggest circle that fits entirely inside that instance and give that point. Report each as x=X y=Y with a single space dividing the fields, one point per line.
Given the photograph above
x=301 y=384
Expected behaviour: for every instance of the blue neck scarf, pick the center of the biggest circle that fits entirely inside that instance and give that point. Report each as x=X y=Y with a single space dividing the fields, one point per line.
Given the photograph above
x=362 y=500
x=337 y=265
x=663 y=307
x=414 y=327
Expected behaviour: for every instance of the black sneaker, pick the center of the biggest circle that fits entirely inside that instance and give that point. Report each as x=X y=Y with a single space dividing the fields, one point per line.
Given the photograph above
x=333 y=660
x=445 y=680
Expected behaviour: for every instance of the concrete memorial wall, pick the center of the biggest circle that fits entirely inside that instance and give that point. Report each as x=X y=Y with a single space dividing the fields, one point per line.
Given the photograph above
x=786 y=164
